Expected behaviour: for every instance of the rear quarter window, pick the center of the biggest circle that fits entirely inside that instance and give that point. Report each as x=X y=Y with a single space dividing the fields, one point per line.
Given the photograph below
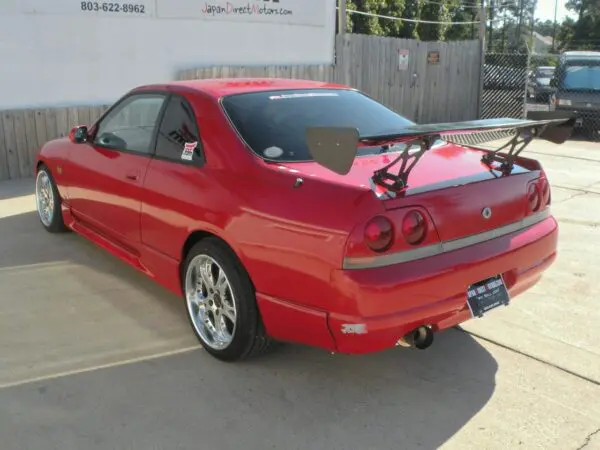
x=179 y=131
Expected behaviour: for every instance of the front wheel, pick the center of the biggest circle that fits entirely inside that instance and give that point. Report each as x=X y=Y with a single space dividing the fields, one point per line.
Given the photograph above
x=221 y=303
x=48 y=202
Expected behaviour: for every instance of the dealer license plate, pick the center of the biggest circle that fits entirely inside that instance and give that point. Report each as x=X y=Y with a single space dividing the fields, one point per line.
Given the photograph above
x=487 y=295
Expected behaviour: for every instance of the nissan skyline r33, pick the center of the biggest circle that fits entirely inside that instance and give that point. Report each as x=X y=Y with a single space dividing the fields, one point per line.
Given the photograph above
x=305 y=212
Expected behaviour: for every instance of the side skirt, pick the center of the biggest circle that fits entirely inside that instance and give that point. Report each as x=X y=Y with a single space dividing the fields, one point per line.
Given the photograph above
x=162 y=269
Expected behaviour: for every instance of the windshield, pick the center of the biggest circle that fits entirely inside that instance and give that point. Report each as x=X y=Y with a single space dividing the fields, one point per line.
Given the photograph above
x=545 y=73
x=274 y=123
x=584 y=77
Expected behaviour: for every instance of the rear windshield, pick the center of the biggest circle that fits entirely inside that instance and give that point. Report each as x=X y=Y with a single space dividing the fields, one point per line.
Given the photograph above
x=582 y=77
x=274 y=123
x=545 y=73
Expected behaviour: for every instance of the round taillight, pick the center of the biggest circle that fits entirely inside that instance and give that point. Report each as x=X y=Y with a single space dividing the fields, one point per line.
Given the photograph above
x=545 y=190
x=414 y=227
x=379 y=234
x=533 y=197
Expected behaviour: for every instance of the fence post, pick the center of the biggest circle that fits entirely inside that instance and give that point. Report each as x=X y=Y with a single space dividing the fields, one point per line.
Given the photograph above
x=341 y=16
x=482 y=18
x=528 y=63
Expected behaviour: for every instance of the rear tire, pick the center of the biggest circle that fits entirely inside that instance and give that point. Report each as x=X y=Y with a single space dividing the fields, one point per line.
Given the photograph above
x=221 y=303
x=48 y=202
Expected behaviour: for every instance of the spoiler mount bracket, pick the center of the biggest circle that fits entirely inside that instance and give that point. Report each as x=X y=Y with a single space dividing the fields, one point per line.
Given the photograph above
x=399 y=180
x=517 y=144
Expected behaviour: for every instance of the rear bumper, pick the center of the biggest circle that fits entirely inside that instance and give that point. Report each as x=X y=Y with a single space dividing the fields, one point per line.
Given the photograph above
x=385 y=303
x=588 y=117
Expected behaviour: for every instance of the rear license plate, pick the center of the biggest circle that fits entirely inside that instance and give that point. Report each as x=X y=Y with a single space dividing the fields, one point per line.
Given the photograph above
x=487 y=295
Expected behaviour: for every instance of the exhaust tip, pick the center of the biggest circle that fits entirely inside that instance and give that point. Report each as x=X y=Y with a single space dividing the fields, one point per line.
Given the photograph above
x=420 y=338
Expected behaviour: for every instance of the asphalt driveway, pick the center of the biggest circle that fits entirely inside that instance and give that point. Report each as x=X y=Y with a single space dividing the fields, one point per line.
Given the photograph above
x=95 y=356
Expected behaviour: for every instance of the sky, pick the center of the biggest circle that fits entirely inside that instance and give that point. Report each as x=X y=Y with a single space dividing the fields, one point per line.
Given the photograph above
x=545 y=10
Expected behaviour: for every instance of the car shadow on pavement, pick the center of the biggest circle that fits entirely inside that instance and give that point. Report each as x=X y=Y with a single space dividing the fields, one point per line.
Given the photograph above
x=296 y=398
x=292 y=398
x=24 y=243
x=66 y=305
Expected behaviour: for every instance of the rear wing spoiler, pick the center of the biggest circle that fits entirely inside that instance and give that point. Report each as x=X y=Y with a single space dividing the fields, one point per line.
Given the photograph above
x=336 y=147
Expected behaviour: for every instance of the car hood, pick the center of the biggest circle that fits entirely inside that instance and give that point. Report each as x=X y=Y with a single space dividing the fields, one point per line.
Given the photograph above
x=441 y=163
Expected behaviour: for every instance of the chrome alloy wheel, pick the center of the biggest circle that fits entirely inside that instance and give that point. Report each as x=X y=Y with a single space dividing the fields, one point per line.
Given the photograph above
x=210 y=302
x=44 y=197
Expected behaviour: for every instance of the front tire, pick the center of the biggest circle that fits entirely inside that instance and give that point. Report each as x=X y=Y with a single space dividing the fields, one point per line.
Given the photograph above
x=221 y=303
x=48 y=202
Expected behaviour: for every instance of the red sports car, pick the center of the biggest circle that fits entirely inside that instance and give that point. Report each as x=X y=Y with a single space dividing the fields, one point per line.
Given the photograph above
x=306 y=212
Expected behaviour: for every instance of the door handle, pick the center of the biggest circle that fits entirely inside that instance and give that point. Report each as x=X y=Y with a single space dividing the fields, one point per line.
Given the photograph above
x=132 y=175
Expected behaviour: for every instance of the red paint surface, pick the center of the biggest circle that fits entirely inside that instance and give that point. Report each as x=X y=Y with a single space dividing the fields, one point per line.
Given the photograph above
x=292 y=241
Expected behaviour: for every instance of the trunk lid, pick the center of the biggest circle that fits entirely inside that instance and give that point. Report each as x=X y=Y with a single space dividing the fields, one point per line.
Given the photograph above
x=450 y=182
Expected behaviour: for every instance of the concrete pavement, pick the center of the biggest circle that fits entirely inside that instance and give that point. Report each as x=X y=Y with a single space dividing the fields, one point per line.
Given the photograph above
x=463 y=394
x=557 y=321
x=94 y=355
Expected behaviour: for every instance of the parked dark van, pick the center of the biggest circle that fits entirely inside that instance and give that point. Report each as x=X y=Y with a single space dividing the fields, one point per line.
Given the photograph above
x=576 y=86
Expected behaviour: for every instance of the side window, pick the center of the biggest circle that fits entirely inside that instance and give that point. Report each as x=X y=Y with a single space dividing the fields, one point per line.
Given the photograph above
x=178 y=135
x=130 y=126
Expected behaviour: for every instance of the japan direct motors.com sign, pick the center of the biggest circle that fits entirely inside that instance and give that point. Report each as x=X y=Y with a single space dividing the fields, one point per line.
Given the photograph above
x=291 y=12
x=256 y=7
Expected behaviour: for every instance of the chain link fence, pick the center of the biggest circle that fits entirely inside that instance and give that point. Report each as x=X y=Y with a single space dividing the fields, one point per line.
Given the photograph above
x=503 y=95
x=504 y=85
x=574 y=88
x=515 y=85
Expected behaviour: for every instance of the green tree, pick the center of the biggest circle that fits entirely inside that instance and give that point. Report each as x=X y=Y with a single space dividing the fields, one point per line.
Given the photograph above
x=364 y=24
x=412 y=10
x=464 y=11
x=545 y=28
x=510 y=25
x=523 y=12
x=584 y=32
x=437 y=11
x=564 y=34
x=393 y=8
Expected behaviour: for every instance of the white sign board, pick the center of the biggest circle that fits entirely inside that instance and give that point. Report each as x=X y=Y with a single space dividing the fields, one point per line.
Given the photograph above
x=403 y=55
x=288 y=12
x=292 y=12
x=80 y=52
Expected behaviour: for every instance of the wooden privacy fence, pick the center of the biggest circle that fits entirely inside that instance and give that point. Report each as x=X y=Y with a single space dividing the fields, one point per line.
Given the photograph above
x=424 y=90
x=23 y=132
x=437 y=82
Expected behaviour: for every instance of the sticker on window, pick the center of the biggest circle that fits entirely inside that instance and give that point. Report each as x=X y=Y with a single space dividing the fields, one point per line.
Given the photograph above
x=310 y=94
x=188 y=151
x=273 y=152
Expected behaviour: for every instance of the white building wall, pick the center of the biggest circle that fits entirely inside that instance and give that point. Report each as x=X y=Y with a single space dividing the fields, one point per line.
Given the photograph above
x=53 y=53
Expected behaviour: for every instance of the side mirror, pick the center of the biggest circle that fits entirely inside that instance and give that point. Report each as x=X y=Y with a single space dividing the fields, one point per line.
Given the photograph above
x=79 y=134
